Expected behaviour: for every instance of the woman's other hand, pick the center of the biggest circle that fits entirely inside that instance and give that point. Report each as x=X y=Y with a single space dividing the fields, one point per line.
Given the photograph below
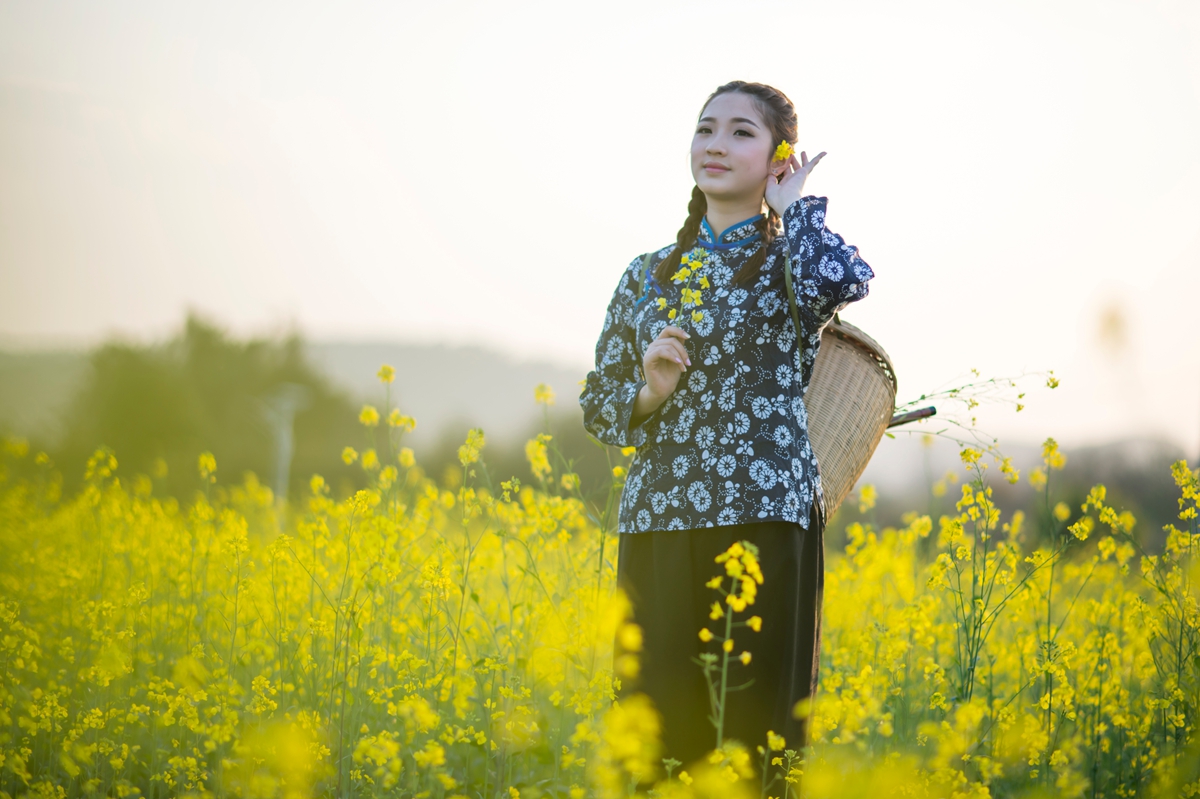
x=787 y=182
x=665 y=362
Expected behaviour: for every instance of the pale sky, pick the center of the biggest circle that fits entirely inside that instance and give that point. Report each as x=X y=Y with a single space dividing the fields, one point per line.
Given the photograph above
x=1023 y=177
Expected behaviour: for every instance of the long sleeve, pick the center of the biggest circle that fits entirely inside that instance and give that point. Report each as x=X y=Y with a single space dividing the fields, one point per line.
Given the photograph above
x=612 y=387
x=829 y=272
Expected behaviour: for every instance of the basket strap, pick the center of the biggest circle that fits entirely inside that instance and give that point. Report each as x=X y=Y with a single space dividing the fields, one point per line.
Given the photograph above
x=787 y=280
x=645 y=268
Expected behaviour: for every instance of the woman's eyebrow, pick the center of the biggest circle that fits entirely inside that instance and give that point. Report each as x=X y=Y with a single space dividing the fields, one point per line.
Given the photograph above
x=735 y=119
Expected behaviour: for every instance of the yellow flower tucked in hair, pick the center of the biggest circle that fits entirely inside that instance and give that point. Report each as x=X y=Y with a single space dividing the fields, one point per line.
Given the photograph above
x=783 y=152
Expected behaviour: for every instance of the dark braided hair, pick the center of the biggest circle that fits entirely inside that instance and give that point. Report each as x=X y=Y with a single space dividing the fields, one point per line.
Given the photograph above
x=779 y=115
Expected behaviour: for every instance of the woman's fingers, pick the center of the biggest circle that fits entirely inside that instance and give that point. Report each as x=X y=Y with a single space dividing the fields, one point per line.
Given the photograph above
x=673 y=350
x=675 y=331
x=668 y=349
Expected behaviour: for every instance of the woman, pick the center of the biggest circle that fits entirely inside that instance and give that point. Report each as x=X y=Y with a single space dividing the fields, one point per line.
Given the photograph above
x=711 y=394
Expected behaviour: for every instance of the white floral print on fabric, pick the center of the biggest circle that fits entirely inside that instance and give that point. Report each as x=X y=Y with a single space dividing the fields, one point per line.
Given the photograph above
x=730 y=445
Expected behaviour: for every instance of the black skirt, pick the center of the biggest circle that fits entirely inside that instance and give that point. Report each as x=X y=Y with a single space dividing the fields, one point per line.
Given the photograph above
x=664 y=573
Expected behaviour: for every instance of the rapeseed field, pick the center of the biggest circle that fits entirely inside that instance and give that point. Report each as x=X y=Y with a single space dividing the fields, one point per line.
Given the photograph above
x=441 y=639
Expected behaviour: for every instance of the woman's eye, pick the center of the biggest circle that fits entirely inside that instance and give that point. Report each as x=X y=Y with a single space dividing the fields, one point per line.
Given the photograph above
x=703 y=129
x=744 y=133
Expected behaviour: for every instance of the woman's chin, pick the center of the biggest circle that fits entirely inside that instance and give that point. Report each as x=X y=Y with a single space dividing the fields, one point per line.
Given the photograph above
x=722 y=191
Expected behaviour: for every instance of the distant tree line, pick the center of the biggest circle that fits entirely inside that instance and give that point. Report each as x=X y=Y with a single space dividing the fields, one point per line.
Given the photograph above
x=159 y=406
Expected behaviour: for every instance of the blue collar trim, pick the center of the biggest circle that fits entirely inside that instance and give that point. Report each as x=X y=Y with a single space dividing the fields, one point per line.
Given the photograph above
x=729 y=245
x=718 y=242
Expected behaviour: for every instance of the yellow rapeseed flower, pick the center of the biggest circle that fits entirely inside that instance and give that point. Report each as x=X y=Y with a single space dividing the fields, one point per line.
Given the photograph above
x=630 y=637
x=1083 y=528
x=1051 y=456
x=469 y=451
x=368 y=416
x=535 y=453
x=543 y=394
x=783 y=152
x=397 y=419
x=706 y=635
x=867 y=496
x=1037 y=478
x=754 y=623
x=386 y=374
x=745 y=658
x=208 y=467
x=349 y=455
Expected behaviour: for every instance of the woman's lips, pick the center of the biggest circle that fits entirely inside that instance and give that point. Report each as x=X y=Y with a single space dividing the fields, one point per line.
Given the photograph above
x=712 y=166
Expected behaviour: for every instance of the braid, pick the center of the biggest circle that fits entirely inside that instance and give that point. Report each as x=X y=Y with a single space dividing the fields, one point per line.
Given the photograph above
x=768 y=227
x=685 y=239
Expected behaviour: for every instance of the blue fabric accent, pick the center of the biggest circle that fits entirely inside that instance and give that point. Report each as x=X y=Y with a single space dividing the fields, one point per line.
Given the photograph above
x=731 y=228
x=716 y=242
x=730 y=245
x=651 y=283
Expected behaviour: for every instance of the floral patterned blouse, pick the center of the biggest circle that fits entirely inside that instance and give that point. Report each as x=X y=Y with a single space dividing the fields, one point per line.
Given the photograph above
x=730 y=445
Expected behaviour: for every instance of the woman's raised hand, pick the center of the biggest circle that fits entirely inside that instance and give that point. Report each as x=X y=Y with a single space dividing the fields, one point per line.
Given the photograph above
x=665 y=362
x=786 y=183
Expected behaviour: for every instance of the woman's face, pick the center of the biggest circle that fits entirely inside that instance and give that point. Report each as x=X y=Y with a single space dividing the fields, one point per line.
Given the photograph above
x=732 y=149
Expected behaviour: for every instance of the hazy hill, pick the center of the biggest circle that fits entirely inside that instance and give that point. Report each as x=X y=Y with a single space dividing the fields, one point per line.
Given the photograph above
x=449 y=389
x=441 y=386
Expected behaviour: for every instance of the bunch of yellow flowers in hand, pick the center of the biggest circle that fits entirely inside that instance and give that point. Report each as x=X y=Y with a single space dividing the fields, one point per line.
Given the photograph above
x=692 y=268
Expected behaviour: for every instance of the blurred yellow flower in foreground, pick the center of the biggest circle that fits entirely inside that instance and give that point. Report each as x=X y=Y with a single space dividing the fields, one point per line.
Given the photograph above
x=208 y=467
x=469 y=451
x=543 y=394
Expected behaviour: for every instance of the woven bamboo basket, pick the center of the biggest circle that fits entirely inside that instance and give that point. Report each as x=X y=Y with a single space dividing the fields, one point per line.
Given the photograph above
x=850 y=401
